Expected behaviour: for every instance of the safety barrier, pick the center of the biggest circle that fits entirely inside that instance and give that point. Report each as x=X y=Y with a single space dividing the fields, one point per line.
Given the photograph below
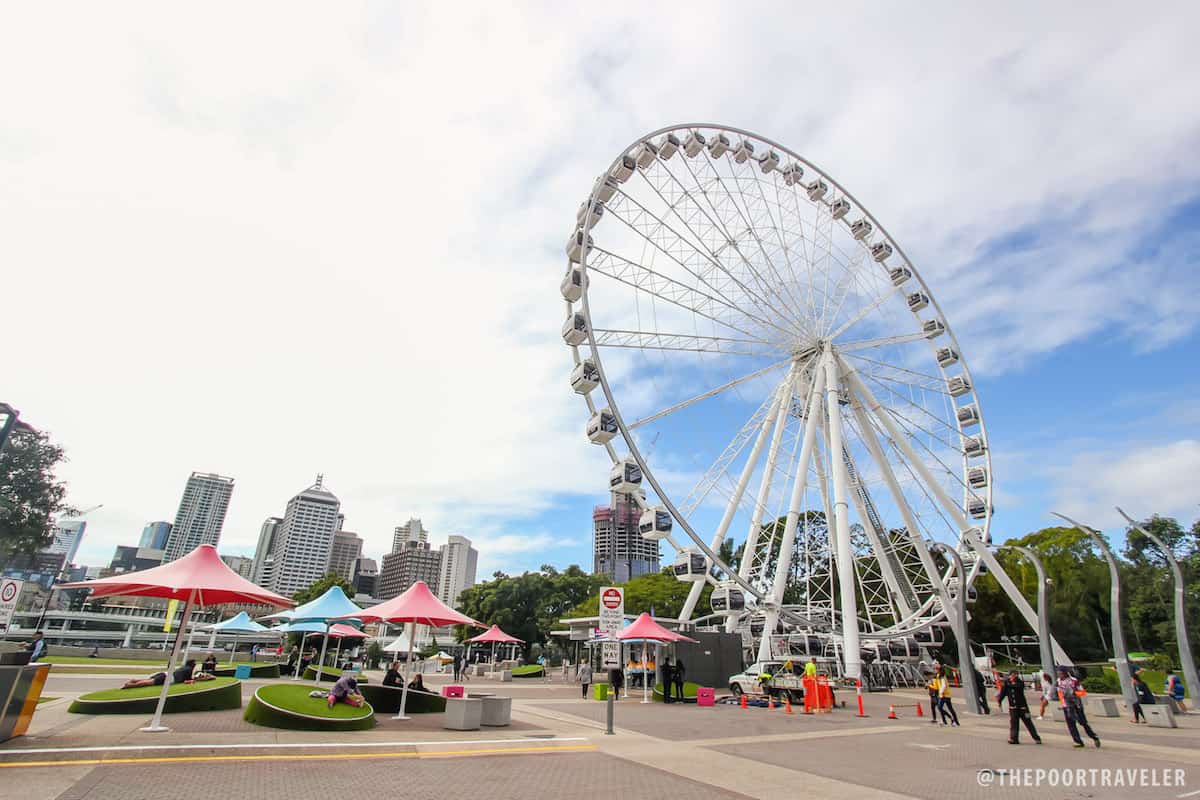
x=892 y=709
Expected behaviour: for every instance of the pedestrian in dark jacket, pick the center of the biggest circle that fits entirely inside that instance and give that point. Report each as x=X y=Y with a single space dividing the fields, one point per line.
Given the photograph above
x=980 y=691
x=677 y=679
x=1013 y=690
x=1144 y=696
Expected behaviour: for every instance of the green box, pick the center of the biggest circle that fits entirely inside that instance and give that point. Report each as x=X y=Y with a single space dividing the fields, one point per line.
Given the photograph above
x=600 y=691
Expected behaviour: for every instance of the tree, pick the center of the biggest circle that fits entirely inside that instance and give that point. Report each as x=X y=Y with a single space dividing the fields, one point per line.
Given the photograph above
x=661 y=591
x=321 y=586
x=31 y=495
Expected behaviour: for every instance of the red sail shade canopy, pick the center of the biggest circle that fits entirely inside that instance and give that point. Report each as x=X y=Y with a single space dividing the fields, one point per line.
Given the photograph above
x=494 y=634
x=199 y=578
x=416 y=606
x=645 y=629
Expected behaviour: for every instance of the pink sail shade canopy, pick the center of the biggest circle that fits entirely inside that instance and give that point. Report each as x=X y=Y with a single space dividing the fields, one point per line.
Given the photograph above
x=496 y=636
x=645 y=629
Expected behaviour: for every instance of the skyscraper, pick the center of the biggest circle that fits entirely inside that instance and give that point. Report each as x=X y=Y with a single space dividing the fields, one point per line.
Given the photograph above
x=411 y=531
x=240 y=564
x=413 y=562
x=201 y=514
x=347 y=548
x=264 y=554
x=618 y=549
x=457 y=568
x=366 y=576
x=67 y=536
x=304 y=541
x=155 y=535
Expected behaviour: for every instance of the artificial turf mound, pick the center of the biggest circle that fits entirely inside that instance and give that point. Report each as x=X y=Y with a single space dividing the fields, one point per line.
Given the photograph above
x=287 y=705
x=689 y=692
x=328 y=674
x=214 y=695
x=256 y=670
x=386 y=700
x=528 y=671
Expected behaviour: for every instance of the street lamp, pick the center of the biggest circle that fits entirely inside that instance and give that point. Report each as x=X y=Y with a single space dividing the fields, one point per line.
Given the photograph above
x=1181 y=636
x=1045 y=651
x=1120 y=654
x=966 y=663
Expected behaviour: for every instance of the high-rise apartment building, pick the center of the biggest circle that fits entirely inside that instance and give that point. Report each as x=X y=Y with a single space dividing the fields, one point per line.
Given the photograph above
x=366 y=577
x=134 y=559
x=411 y=531
x=413 y=562
x=240 y=564
x=155 y=535
x=264 y=553
x=457 y=571
x=67 y=536
x=201 y=514
x=304 y=541
x=347 y=547
x=618 y=549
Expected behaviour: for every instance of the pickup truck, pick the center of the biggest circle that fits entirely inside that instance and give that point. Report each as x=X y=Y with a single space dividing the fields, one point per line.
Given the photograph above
x=781 y=684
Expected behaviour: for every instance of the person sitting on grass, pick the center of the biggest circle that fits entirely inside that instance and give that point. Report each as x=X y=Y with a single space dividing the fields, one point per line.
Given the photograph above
x=416 y=683
x=190 y=673
x=210 y=664
x=345 y=690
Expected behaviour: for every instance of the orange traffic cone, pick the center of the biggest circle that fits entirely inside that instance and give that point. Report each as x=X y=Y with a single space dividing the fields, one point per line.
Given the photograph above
x=787 y=705
x=743 y=701
x=920 y=713
x=770 y=703
x=892 y=713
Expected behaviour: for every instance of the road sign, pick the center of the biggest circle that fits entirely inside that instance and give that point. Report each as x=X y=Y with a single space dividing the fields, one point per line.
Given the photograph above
x=612 y=620
x=10 y=590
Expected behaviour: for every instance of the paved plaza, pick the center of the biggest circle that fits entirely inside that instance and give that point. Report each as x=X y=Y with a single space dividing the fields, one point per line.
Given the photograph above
x=556 y=746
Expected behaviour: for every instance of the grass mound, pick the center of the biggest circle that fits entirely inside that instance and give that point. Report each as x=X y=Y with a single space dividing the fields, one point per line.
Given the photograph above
x=256 y=670
x=328 y=674
x=689 y=692
x=287 y=705
x=148 y=663
x=214 y=695
x=386 y=700
x=528 y=671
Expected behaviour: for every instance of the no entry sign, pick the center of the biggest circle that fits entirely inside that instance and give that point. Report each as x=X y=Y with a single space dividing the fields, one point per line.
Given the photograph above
x=611 y=598
x=612 y=619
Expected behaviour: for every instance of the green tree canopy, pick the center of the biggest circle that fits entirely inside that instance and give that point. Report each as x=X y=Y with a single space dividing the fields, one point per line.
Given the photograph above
x=31 y=495
x=659 y=590
x=321 y=586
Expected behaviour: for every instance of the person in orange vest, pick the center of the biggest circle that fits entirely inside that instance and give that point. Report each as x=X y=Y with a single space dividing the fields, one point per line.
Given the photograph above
x=1069 y=698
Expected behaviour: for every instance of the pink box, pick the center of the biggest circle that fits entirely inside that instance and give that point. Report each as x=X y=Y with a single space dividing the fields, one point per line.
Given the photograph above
x=452 y=691
x=705 y=696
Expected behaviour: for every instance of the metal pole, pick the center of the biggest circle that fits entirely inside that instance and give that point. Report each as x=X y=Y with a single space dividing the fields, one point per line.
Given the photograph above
x=1120 y=654
x=412 y=634
x=1186 y=661
x=156 y=725
x=321 y=660
x=966 y=664
x=1043 y=611
x=851 y=655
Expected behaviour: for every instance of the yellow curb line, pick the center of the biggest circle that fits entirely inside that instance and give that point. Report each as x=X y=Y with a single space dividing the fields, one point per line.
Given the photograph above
x=296 y=757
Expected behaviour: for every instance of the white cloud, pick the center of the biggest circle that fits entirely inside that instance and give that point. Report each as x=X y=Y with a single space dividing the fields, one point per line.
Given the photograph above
x=329 y=241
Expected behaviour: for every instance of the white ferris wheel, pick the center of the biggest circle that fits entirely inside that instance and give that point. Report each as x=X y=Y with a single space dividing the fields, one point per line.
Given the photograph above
x=731 y=302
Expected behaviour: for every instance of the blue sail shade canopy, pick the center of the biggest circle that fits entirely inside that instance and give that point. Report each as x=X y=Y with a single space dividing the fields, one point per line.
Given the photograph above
x=239 y=623
x=325 y=611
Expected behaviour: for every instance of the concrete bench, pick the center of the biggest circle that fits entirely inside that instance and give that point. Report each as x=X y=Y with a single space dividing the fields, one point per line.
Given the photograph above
x=497 y=711
x=1160 y=715
x=463 y=714
x=504 y=676
x=1102 y=707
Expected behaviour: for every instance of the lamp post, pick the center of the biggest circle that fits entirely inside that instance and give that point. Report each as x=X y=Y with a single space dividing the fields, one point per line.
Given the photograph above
x=1186 y=661
x=1120 y=653
x=966 y=664
x=1045 y=651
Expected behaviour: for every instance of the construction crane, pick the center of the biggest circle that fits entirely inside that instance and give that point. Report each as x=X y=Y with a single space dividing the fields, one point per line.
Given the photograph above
x=84 y=513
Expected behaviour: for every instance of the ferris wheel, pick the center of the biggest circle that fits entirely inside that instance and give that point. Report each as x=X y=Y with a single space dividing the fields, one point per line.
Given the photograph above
x=730 y=301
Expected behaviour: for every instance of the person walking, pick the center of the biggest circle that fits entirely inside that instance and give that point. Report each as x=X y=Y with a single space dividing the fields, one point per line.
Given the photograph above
x=584 y=676
x=1013 y=690
x=945 y=703
x=616 y=681
x=667 y=679
x=1049 y=693
x=1144 y=697
x=1174 y=689
x=36 y=647
x=1072 y=706
x=980 y=691
x=677 y=678
x=931 y=686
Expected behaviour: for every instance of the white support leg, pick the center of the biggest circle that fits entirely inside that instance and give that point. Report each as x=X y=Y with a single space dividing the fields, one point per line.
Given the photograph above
x=784 y=389
x=851 y=655
x=782 y=564
x=952 y=509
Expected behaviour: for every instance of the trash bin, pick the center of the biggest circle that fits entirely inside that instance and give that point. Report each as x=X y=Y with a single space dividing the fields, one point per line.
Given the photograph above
x=600 y=691
x=705 y=696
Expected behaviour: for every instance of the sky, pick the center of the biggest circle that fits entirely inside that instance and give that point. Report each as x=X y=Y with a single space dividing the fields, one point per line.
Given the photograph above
x=278 y=240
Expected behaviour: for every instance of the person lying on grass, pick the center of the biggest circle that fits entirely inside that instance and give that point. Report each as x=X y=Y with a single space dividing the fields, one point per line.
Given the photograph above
x=345 y=690
x=185 y=674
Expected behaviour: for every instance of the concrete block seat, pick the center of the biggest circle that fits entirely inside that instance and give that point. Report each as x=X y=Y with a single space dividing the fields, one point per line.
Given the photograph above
x=288 y=706
x=256 y=670
x=463 y=713
x=214 y=695
x=330 y=674
x=386 y=700
x=496 y=712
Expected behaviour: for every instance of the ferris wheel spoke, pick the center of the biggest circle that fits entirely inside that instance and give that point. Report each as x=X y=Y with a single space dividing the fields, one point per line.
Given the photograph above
x=720 y=466
x=937 y=422
x=862 y=313
x=904 y=376
x=709 y=394
x=883 y=341
x=686 y=342
x=729 y=239
x=646 y=280
x=667 y=240
x=852 y=276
